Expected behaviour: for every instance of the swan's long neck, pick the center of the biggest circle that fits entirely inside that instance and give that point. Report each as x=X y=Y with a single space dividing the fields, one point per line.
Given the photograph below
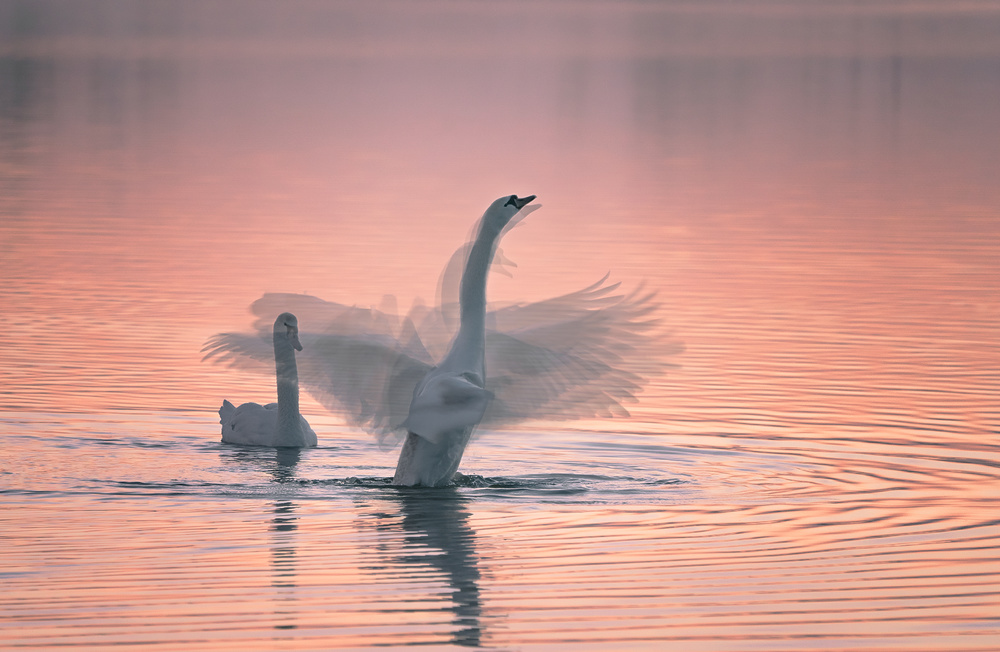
x=468 y=349
x=289 y=420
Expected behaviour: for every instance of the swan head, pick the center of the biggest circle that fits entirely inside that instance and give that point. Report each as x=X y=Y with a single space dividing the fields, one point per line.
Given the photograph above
x=502 y=210
x=287 y=326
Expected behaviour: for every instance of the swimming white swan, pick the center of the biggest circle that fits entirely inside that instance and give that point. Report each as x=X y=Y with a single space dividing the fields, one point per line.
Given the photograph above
x=450 y=401
x=276 y=424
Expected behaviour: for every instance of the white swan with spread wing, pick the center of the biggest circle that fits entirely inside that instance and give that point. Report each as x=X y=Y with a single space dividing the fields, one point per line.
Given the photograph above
x=275 y=424
x=580 y=355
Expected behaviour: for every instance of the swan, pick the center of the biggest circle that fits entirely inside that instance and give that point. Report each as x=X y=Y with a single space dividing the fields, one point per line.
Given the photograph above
x=450 y=401
x=584 y=354
x=275 y=424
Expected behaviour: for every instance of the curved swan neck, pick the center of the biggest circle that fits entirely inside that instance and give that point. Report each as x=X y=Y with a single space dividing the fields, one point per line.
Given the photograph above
x=289 y=428
x=472 y=301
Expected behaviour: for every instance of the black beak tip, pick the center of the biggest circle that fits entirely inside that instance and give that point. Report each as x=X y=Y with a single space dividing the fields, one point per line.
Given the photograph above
x=523 y=201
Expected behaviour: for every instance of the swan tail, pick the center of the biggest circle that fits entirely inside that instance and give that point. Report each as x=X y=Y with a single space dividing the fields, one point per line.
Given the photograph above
x=226 y=412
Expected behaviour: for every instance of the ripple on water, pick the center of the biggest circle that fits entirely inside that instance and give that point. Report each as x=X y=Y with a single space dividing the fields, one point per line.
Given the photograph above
x=743 y=538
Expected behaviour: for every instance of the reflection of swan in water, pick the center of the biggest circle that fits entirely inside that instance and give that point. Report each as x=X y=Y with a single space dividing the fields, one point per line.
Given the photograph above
x=451 y=399
x=280 y=464
x=283 y=550
x=275 y=424
x=437 y=537
x=283 y=573
x=285 y=461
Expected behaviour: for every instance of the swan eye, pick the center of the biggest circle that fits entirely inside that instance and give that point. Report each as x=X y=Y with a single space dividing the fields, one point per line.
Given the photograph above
x=512 y=201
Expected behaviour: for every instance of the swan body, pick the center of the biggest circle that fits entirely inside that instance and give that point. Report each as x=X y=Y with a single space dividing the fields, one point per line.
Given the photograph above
x=275 y=424
x=450 y=401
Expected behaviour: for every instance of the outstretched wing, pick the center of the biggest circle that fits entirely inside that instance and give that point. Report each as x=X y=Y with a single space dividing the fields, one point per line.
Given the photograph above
x=368 y=379
x=321 y=316
x=584 y=354
x=352 y=361
x=250 y=352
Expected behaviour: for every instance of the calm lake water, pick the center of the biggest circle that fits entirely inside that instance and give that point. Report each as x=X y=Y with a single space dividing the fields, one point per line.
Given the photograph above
x=810 y=189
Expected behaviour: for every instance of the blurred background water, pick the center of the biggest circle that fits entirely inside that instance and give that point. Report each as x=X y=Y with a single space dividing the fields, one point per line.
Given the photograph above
x=809 y=188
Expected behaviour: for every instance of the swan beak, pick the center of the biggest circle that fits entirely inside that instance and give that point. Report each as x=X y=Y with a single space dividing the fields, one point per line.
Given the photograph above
x=295 y=342
x=523 y=201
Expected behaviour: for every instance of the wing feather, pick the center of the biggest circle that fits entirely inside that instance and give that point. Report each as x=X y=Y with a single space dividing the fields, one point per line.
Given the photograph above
x=583 y=354
x=354 y=365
